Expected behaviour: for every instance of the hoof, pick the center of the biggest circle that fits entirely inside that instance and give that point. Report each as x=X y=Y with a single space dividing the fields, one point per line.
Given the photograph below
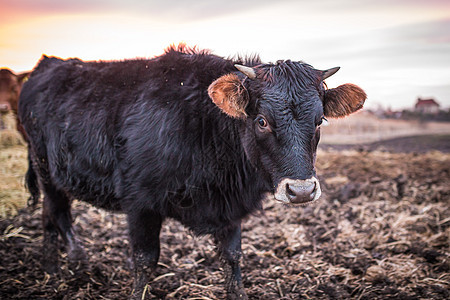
x=141 y=292
x=78 y=260
x=50 y=260
x=77 y=254
x=238 y=294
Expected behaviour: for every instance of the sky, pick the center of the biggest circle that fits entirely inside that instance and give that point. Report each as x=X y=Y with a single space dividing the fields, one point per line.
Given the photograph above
x=396 y=50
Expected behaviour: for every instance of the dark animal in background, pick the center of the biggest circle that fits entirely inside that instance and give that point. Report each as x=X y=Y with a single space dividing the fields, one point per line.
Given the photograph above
x=187 y=135
x=10 y=86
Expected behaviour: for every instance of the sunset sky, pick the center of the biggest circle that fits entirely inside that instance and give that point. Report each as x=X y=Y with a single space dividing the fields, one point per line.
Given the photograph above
x=397 y=50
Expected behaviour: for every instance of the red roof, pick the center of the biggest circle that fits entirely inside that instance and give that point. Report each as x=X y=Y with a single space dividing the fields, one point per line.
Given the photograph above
x=426 y=102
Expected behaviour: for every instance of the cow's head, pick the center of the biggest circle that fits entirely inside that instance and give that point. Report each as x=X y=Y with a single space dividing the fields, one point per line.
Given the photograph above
x=281 y=107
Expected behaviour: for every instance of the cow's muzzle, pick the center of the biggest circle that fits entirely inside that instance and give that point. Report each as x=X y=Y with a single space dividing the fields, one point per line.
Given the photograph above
x=298 y=192
x=4 y=108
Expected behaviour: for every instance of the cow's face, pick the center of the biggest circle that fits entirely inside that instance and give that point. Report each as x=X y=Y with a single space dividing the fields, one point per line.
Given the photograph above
x=282 y=107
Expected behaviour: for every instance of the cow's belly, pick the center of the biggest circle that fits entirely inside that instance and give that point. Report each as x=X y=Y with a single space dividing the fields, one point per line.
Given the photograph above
x=108 y=203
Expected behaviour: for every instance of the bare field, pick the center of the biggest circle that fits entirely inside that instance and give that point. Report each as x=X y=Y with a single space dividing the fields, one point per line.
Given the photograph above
x=363 y=127
x=380 y=231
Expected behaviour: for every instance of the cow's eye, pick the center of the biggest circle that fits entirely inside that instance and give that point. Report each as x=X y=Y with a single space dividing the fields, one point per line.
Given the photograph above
x=262 y=126
x=262 y=122
x=322 y=120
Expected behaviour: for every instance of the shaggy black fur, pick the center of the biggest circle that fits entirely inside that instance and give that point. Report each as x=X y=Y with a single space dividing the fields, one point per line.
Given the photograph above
x=143 y=137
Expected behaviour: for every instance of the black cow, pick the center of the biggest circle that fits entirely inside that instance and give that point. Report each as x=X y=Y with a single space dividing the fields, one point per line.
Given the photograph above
x=185 y=135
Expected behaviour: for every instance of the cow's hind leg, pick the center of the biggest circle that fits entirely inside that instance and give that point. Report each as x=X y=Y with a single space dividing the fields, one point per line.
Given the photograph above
x=31 y=182
x=56 y=218
x=50 y=241
x=229 y=246
x=144 y=227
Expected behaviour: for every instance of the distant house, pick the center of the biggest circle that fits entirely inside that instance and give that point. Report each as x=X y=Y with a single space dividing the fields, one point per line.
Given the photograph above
x=426 y=106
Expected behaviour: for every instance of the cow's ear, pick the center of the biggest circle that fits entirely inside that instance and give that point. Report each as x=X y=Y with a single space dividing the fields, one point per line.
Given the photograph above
x=343 y=100
x=229 y=95
x=23 y=77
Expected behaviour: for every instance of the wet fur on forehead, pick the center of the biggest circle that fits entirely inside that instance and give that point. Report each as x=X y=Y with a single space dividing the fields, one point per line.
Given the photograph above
x=288 y=73
x=292 y=81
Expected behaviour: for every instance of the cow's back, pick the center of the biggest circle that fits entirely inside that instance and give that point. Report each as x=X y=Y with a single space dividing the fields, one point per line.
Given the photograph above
x=101 y=130
x=70 y=110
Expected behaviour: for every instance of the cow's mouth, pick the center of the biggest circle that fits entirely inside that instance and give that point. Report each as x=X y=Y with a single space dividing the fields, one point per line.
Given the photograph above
x=298 y=192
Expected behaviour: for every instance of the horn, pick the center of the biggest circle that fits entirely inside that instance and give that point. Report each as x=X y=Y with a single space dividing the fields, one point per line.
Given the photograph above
x=249 y=72
x=329 y=72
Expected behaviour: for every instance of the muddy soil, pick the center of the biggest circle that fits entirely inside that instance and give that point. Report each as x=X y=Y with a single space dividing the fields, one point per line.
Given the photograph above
x=380 y=231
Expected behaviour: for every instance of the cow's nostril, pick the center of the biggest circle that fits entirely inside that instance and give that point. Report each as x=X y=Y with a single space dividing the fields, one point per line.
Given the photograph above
x=314 y=190
x=290 y=192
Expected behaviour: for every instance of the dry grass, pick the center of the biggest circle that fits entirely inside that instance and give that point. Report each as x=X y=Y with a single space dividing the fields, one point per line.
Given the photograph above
x=9 y=136
x=13 y=165
x=380 y=231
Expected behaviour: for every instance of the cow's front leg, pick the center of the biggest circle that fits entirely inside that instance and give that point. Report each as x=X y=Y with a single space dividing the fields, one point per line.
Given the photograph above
x=144 y=228
x=229 y=244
